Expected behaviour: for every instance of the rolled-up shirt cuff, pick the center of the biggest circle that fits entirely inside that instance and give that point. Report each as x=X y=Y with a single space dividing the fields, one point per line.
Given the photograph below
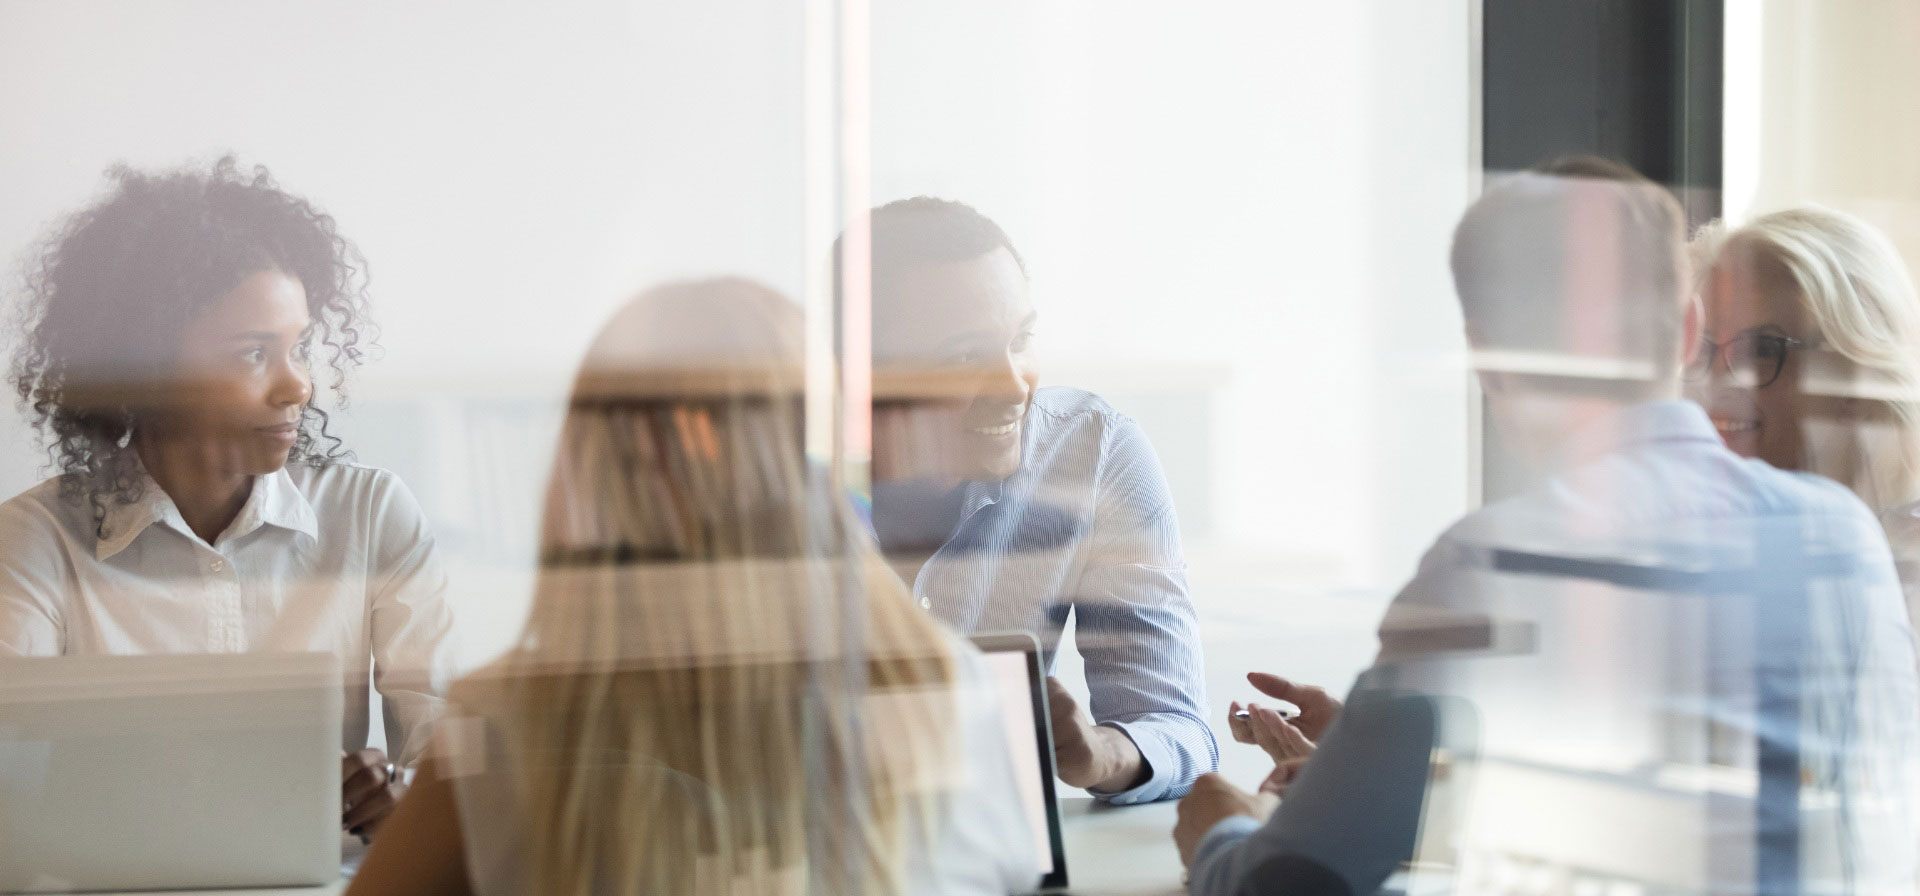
x=1155 y=754
x=1215 y=844
x=1176 y=747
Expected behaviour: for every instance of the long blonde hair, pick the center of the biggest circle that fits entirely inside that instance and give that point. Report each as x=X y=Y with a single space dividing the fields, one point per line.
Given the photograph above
x=1857 y=292
x=720 y=688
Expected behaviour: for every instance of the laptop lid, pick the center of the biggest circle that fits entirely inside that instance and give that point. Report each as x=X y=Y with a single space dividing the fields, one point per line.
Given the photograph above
x=155 y=772
x=1014 y=660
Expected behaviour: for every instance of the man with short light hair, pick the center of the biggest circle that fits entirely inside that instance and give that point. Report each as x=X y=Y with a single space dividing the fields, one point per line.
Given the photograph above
x=1682 y=615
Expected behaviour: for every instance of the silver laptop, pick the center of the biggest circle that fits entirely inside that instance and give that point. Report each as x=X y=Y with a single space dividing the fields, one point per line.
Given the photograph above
x=156 y=772
x=1014 y=660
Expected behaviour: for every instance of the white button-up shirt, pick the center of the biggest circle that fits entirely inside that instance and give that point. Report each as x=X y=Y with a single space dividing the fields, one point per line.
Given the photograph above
x=334 y=559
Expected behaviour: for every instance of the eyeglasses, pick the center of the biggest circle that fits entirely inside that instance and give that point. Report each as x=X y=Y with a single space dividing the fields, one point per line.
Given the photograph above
x=1752 y=360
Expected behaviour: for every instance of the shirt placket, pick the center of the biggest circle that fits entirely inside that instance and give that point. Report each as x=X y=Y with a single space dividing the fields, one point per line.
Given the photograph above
x=226 y=625
x=939 y=567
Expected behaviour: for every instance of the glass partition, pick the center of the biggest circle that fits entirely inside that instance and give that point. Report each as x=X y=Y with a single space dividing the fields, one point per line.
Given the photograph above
x=887 y=446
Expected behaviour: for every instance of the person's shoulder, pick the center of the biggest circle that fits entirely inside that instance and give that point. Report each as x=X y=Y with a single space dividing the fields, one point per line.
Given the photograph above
x=1828 y=515
x=348 y=490
x=42 y=524
x=45 y=509
x=1696 y=478
x=44 y=494
x=1080 y=440
x=1775 y=492
x=1670 y=503
x=1066 y=404
x=1064 y=413
x=343 y=479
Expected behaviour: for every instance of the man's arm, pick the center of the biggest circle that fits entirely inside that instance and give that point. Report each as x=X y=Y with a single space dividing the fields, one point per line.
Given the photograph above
x=1135 y=625
x=1351 y=811
x=1348 y=820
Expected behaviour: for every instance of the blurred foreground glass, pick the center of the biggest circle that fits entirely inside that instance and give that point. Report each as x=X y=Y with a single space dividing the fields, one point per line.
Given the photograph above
x=720 y=687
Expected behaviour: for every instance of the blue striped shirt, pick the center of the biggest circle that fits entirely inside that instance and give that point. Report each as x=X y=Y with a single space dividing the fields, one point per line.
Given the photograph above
x=1085 y=528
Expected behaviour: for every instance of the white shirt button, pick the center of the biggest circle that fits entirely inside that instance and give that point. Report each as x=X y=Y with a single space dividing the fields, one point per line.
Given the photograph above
x=926 y=603
x=217 y=565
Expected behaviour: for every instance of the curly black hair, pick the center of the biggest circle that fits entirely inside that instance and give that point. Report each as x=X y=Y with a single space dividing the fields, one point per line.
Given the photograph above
x=109 y=295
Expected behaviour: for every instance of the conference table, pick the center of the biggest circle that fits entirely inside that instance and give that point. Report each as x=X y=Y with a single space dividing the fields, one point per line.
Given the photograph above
x=1111 y=851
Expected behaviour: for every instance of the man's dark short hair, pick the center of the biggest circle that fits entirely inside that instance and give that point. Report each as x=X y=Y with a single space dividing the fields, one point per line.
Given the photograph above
x=927 y=230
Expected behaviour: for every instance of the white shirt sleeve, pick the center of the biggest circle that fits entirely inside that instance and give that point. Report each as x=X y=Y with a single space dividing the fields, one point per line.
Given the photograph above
x=32 y=579
x=410 y=625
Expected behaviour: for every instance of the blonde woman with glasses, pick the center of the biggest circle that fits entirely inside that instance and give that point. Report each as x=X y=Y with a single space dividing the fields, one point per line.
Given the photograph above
x=1811 y=358
x=720 y=688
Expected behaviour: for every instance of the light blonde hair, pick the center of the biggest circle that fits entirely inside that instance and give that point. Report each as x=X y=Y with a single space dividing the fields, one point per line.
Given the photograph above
x=720 y=687
x=1857 y=292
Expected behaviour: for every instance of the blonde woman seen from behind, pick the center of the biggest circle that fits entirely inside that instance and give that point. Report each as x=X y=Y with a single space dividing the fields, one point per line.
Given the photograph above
x=721 y=688
x=1811 y=359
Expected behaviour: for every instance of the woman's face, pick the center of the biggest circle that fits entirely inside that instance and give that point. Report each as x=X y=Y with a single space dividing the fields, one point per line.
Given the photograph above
x=1756 y=341
x=242 y=379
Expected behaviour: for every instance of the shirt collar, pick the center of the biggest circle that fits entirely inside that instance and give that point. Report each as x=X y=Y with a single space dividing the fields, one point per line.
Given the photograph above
x=1651 y=421
x=274 y=501
x=124 y=522
x=978 y=493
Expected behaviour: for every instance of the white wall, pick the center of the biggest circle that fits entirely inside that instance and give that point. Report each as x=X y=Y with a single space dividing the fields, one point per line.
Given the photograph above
x=1832 y=119
x=1246 y=200
x=1253 y=196
x=512 y=171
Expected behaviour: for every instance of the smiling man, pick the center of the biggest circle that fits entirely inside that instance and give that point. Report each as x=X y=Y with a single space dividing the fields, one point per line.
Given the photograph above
x=1013 y=507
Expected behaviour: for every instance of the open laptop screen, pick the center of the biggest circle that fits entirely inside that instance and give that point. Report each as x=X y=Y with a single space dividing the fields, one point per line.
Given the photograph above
x=1014 y=660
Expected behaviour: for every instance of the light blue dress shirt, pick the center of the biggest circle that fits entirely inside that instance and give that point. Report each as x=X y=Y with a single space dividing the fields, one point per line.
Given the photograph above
x=1688 y=609
x=1085 y=528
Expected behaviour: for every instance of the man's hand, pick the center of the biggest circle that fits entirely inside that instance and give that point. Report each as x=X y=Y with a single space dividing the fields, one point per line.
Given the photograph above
x=1318 y=709
x=1089 y=755
x=1282 y=776
x=1211 y=801
x=369 y=794
x=1281 y=739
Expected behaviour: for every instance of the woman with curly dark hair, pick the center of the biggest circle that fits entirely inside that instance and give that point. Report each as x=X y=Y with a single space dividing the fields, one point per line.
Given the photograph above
x=200 y=505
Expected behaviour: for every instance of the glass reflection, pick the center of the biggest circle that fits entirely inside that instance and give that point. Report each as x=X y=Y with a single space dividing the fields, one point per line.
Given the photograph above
x=1708 y=657
x=721 y=688
x=1197 y=398
x=1831 y=290
x=1012 y=506
x=173 y=332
